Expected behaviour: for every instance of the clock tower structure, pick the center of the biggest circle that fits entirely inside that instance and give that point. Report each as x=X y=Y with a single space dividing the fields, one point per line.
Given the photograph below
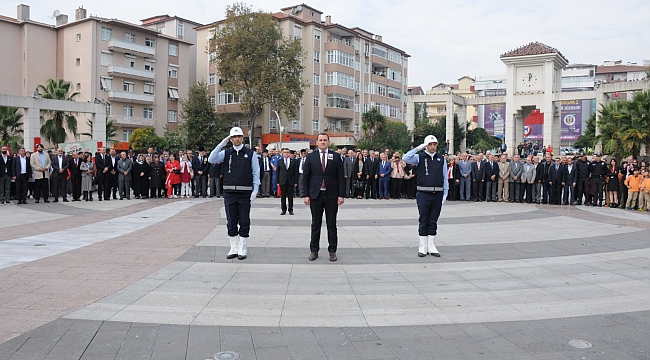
x=533 y=75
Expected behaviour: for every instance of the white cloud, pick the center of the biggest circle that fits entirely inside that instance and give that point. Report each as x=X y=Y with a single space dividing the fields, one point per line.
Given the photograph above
x=446 y=40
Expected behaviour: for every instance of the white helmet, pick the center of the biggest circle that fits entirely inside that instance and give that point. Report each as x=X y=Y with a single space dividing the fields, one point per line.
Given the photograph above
x=236 y=131
x=429 y=139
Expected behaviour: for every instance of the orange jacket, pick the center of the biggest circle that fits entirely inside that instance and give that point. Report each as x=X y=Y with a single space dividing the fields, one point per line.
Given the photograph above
x=633 y=183
x=646 y=185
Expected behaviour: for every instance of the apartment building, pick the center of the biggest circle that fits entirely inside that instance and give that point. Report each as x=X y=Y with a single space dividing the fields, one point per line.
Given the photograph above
x=139 y=73
x=464 y=88
x=349 y=71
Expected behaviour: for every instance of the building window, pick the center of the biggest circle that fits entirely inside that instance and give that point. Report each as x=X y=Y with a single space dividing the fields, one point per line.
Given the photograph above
x=212 y=56
x=316 y=101
x=297 y=32
x=78 y=37
x=379 y=50
x=106 y=58
x=273 y=123
x=161 y=29
x=148 y=88
x=150 y=42
x=295 y=125
x=213 y=101
x=127 y=86
x=173 y=49
x=78 y=86
x=128 y=111
x=171 y=116
x=126 y=135
x=315 y=125
x=356 y=106
x=394 y=75
x=340 y=57
x=148 y=113
x=394 y=56
x=179 y=31
x=366 y=88
x=317 y=34
x=316 y=56
x=225 y=98
x=129 y=37
x=105 y=83
x=339 y=101
x=108 y=108
x=366 y=68
x=172 y=93
x=78 y=62
x=356 y=128
x=212 y=79
x=129 y=61
x=366 y=108
x=107 y=34
x=173 y=72
x=148 y=66
x=339 y=79
x=316 y=79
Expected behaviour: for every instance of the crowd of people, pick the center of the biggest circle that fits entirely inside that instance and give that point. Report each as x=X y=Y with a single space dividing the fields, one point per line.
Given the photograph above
x=369 y=174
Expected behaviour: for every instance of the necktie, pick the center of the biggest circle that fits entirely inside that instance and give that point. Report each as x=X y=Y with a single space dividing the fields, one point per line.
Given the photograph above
x=556 y=167
x=286 y=163
x=322 y=164
x=479 y=165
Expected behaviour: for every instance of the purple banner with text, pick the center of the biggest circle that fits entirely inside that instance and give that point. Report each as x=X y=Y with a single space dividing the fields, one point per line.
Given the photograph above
x=571 y=120
x=494 y=117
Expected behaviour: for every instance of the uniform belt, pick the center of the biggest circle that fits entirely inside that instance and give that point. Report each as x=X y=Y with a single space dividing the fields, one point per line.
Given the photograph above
x=432 y=189
x=237 y=188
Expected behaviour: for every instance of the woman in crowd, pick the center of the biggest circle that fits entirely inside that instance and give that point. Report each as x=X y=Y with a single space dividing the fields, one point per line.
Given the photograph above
x=452 y=177
x=409 y=181
x=186 y=177
x=157 y=177
x=396 y=176
x=87 y=173
x=140 y=178
x=612 y=183
x=173 y=180
x=360 y=174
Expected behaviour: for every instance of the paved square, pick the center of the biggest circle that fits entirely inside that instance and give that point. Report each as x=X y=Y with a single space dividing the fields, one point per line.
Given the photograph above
x=151 y=280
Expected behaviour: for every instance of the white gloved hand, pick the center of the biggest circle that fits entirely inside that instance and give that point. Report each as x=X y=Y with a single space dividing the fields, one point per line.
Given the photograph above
x=224 y=142
x=444 y=198
x=421 y=147
x=253 y=196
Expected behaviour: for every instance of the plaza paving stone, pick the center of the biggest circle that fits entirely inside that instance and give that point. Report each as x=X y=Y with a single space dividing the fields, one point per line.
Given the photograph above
x=148 y=279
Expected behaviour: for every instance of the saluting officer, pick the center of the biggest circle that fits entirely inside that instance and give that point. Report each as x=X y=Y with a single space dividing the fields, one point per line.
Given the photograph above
x=241 y=181
x=432 y=188
x=598 y=172
x=584 y=167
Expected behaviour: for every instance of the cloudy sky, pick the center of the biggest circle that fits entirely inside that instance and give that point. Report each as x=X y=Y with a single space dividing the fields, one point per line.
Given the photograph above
x=446 y=40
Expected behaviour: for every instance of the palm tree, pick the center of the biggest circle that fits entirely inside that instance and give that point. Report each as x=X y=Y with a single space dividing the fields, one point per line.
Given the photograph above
x=373 y=123
x=636 y=130
x=55 y=122
x=111 y=131
x=10 y=128
x=610 y=123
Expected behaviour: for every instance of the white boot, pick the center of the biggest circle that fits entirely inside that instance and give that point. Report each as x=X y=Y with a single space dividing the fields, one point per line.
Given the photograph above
x=233 y=247
x=242 y=249
x=432 y=247
x=422 y=250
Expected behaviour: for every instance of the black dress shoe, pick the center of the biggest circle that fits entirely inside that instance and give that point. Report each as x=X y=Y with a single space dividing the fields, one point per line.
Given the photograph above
x=313 y=256
x=421 y=254
x=55 y=200
x=100 y=199
x=46 y=201
x=231 y=256
x=283 y=213
x=36 y=202
x=435 y=254
x=290 y=212
x=65 y=200
x=333 y=256
x=241 y=257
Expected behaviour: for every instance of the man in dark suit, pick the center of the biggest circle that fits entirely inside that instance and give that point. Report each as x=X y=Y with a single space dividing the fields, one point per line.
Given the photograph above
x=112 y=174
x=6 y=173
x=491 y=175
x=103 y=176
x=371 y=186
x=22 y=172
x=478 y=177
x=59 y=175
x=555 y=182
x=569 y=181
x=287 y=179
x=324 y=187
x=75 y=175
x=201 y=168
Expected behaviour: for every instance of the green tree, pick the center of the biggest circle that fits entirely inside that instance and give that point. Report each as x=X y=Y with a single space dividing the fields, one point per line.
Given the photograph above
x=395 y=136
x=11 y=128
x=202 y=126
x=55 y=123
x=421 y=113
x=588 y=139
x=256 y=63
x=373 y=123
x=439 y=130
x=173 y=139
x=635 y=131
x=111 y=131
x=480 y=141
x=610 y=122
x=143 y=138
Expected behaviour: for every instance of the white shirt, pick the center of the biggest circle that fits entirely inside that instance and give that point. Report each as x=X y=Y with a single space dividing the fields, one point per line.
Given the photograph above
x=302 y=161
x=5 y=161
x=23 y=165
x=320 y=154
x=60 y=161
x=286 y=163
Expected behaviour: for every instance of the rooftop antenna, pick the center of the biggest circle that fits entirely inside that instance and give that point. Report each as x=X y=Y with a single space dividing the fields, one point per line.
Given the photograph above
x=55 y=14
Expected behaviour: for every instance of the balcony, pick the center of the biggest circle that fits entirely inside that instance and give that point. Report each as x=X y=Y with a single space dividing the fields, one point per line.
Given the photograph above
x=131 y=120
x=122 y=46
x=130 y=97
x=130 y=73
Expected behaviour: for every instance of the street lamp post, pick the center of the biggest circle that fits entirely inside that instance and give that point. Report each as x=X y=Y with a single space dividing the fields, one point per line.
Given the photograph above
x=281 y=127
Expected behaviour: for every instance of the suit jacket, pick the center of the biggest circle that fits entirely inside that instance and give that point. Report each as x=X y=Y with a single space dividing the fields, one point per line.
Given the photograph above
x=111 y=166
x=64 y=166
x=372 y=167
x=16 y=170
x=36 y=164
x=75 y=170
x=516 y=169
x=539 y=173
x=386 y=169
x=528 y=176
x=313 y=175
x=100 y=164
x=491 y=169
x=465 y=167
x=348 y=166
x=201 y=166
x=504 y=170
x=124 y=166
x=6 y=167
x=570 y=177
x=555 y=175
x=478 y=175
x=287 y=176
x=364 y=170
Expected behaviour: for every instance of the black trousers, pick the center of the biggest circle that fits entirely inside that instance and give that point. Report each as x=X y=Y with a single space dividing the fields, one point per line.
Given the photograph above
x=429 y=207
x=201 y=185
x=556 y=193
x=102 y=183
x=371 y=188
x=238 y=211
x=395 y=188
x=582 y=189
x=76 y=187
x=477 y=189
x=22 y=185
x=331 y=208
x=598 y=190
x=112 y=185
x=529 y=191
x=287 y=193
x=58 y=186
x=41 y=188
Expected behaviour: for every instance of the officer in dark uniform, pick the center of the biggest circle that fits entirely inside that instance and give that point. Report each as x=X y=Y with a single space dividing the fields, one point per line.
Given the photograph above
x=598 y=172
x=584 y=170
x=241 y=180
x=432 y=188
